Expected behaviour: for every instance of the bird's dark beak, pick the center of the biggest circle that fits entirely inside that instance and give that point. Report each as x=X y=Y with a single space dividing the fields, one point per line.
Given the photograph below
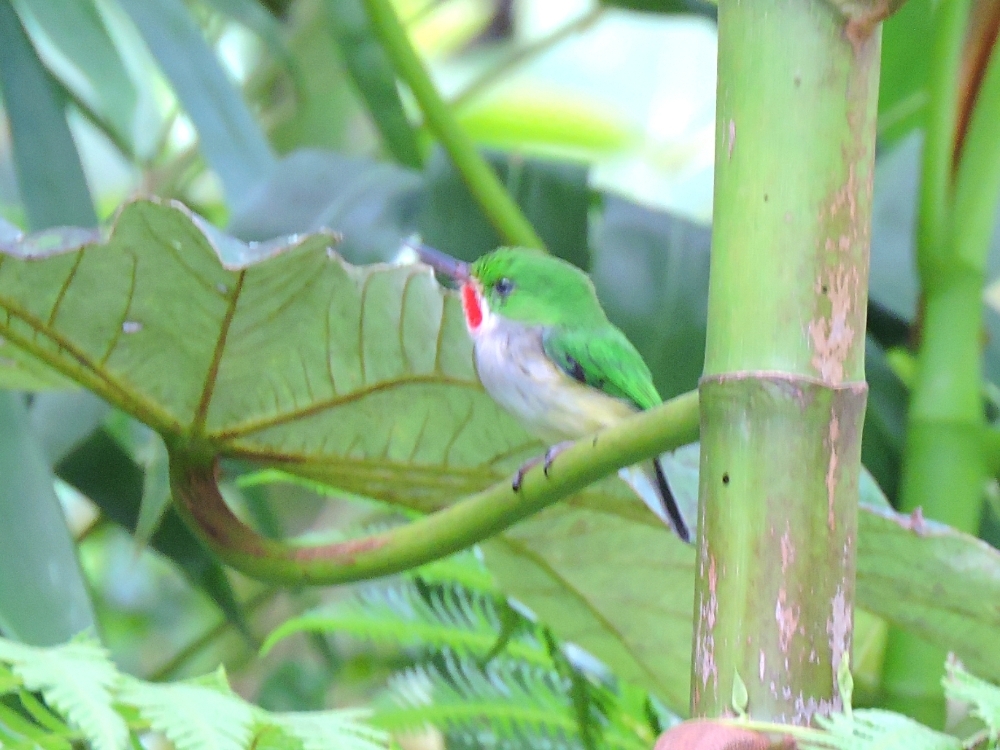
x=441 y=262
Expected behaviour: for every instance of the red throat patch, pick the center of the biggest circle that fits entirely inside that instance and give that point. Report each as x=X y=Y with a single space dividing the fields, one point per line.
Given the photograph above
x=471 y=306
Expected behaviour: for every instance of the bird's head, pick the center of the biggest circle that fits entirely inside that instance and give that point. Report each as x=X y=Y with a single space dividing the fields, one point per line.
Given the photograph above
x=527 y=286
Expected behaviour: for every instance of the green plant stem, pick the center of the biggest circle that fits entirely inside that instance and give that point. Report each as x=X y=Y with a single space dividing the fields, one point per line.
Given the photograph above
x=464 y=523
x=480 y=178
x=783 y=395
x=947 y=455
x=951 y=20
x=171 y=667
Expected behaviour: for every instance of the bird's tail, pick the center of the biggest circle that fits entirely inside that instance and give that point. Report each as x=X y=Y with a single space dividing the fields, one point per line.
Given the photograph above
x=650 y=484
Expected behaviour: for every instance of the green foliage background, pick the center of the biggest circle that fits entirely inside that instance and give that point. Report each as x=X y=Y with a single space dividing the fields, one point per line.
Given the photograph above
x=355 y=384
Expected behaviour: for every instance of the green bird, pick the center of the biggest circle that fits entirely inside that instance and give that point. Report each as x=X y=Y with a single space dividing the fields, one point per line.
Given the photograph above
x=547 y=353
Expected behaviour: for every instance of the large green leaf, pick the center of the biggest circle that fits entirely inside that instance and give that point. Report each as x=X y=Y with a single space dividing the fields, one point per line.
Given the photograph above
x=49 y=175
x=361 y=377
x=617 y=583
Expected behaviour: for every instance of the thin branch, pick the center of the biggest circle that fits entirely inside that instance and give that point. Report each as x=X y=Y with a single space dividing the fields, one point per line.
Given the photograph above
x=168 y=669
x=466 y=522
x=480 y=178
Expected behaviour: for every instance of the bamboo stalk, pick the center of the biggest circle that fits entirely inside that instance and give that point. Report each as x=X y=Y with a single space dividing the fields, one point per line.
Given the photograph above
x=946 y=458
x=783 y=396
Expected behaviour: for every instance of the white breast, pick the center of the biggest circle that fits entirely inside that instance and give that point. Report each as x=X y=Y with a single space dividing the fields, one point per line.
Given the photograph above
x=519 y=376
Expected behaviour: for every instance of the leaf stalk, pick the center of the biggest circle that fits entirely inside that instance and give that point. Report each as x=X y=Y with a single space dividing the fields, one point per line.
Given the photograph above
x=466 y=522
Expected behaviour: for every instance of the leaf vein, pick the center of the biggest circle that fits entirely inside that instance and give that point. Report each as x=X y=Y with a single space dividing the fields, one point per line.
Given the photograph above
x=116 y=337
x=246 y=428
x=62 y=290
x=211 y=377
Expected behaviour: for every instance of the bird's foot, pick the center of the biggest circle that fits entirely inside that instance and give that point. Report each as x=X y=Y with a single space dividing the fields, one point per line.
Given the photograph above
x=546 y=461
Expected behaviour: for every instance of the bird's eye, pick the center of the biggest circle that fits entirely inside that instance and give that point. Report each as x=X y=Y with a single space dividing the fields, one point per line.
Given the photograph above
x=504 y=287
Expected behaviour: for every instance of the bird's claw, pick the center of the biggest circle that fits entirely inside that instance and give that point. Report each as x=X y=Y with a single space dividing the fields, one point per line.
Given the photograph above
x=527 y=466
x=551 y=453
x=546 y=461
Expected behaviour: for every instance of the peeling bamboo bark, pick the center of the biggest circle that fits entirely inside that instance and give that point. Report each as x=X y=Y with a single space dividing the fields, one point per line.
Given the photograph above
x=783 y=394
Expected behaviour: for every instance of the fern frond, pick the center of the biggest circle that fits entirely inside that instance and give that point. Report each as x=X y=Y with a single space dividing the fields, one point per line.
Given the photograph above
x=270 y=737
x=875 y=729
x=76 y=679
x=204 y=714
x=17 y=731
x=465 y=569
x=80 y=684
x=192 y=716
x=9 y=682
x=512 y=704
x=448 y=617
x=322 y=730
x=984 y=697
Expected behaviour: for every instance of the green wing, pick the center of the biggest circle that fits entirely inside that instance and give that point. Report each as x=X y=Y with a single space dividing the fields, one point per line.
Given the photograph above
x=603 y=359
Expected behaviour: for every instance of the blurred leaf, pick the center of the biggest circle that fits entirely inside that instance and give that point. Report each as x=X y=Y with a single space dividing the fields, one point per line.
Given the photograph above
x=63 y=419
x=50 y=178
x=885 y=420
x=371 y=70
x=704 y=7
x=255 y=17
x=85 y=57
x=102 y=470
x=893 y=278
x=230 y=138
x=936 y=582
x=294 y=686
x=533 y=117
x=553 y=196
x=906 y=39
x=291 y=361
x=155 y=488
x=651 y=273
x=372 y=204
x=322 y=111
x=43 y=596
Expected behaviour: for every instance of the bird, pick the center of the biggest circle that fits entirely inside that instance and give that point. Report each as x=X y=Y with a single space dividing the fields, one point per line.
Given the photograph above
x=546 y=352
